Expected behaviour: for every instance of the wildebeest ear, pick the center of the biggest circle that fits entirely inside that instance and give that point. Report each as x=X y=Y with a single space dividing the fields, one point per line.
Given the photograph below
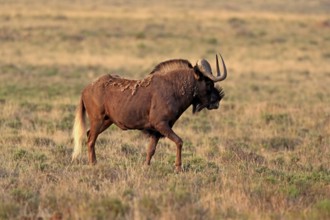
x=197 y=73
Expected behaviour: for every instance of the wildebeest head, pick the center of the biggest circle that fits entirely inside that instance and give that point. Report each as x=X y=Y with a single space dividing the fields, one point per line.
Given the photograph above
x=207 y=94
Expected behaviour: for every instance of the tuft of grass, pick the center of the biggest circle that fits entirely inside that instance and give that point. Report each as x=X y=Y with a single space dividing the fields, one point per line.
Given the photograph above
x=107 y=208
x=9 y=210
x=21 y=195
x=127 y=150
x=281 y=143
x=14 y=123
x=20 y=154
x=321 y=209
x=148 y=206
x=280 y=119
x=43 y=141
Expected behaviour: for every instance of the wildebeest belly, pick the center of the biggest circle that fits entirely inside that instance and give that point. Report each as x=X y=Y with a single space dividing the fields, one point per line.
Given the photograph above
x=129 y=111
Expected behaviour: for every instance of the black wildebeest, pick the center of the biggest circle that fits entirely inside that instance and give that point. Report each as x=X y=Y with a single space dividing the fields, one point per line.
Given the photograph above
x=152 y=104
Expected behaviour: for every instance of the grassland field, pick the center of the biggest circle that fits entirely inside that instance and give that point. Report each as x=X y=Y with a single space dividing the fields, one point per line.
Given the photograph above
x=265 y=154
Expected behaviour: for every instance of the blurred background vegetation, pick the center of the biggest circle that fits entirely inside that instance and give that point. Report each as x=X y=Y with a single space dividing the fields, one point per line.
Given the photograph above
x=263 y=155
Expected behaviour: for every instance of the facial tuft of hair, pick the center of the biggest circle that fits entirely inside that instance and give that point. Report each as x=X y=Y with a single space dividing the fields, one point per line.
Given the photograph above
x=220 y=90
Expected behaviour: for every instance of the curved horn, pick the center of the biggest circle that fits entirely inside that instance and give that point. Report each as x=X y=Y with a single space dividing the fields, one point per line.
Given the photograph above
x=220 y=78
x=205 y=69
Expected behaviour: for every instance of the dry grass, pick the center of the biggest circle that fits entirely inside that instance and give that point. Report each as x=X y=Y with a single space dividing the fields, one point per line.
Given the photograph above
x=264 y=155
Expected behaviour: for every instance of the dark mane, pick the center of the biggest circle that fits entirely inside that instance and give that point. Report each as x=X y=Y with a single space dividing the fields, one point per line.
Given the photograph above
x=172 y=65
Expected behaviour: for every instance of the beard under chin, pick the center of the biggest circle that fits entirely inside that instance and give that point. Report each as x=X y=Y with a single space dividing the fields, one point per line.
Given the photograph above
x=198 y=107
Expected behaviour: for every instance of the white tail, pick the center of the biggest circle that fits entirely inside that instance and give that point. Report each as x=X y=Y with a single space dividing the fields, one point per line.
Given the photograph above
x=79 y=129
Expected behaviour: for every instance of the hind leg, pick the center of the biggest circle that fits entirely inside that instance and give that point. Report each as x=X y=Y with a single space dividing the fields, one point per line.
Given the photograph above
x=105 y=125
x=92 y=136
x=97 y=127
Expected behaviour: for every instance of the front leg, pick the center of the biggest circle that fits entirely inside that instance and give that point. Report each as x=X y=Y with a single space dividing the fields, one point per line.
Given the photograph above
x=167 y=131
x=151 y=148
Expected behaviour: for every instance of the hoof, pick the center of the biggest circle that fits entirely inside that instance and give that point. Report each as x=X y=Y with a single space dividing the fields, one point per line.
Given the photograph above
x=178 y=169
